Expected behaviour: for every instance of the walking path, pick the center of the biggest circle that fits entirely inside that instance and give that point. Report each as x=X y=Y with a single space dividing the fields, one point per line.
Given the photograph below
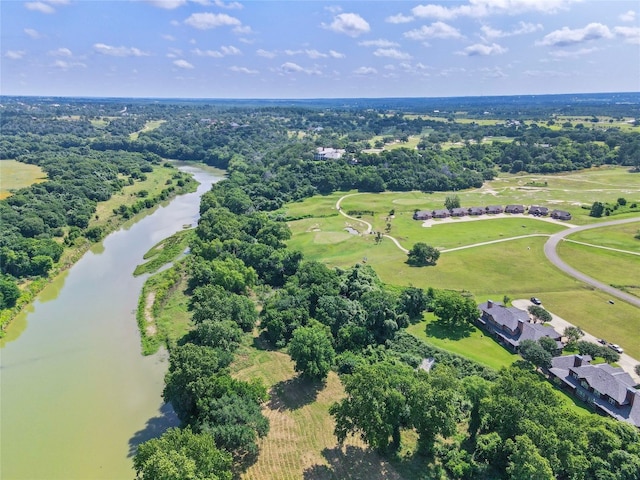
x=627 y=362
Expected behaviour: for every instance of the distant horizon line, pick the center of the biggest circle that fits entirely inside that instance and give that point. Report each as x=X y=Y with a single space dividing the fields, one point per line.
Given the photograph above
x=301 y=99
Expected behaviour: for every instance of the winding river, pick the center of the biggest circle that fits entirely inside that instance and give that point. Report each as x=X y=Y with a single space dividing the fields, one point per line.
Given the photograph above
x=76 y=395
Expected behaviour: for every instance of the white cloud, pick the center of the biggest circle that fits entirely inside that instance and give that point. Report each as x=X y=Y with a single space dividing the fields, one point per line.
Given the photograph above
x=380 y=43
x=566 y=36
x=15 y=54
x=483 y=8
x=573 y=53
x=392 y=53
x=399 y=18
x=365 y=71
x=335 y=54
x=118 y=51
x=244 y=70
x=243 y=30
x=40 y=7
x=629 y=16
x=169 y=38
x=223 y=52
x=33 y=33
x=492 y=72
x=205 y=21
x=315 y=54
x=290 y=67
x=266 y=53
x=174 y=53
x=167 y=4
x=545 y=73
x=64 y=65
x=630 y=34
x=60 y=52
x=183 y=64
x=480 y=49
x=230 y=5
x=435 y=30
x=522 y=29
x=350 y=24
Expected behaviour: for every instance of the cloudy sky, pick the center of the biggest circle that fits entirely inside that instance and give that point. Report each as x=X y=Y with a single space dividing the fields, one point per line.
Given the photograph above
x=314 y=49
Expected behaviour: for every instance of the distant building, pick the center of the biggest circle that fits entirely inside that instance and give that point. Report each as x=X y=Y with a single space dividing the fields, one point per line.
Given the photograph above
x=538 y=211
x=326 y=153
x=514 y=209
x=494 y=209
x=560 y=215
x=459 y=212
x=444 y=213
x=423 y=215
x=476 y=211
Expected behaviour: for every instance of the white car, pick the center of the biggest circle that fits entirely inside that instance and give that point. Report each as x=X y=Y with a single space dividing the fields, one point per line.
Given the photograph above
x=615 y=347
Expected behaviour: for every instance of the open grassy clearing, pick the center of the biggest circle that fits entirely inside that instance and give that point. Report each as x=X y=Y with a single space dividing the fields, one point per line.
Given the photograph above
x=15 y=175
x=621 y=270
x=474 y=344
x=619 y=236
x=300 y=443
x=149 y=126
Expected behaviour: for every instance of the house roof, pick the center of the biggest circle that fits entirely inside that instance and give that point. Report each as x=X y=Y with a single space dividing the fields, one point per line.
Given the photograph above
x=507 y=316
x=441 y=212
x=535 y=331
x=611 y=381
x=458 y=210
x=567 y=361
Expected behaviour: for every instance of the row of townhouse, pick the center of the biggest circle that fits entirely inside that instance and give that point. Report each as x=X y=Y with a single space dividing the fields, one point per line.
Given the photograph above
x=534 y=210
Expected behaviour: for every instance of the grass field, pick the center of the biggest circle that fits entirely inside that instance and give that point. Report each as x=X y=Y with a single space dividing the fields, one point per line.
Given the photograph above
x=300 y=443
x=149 y=126
x=15 y=175
x=516 y=268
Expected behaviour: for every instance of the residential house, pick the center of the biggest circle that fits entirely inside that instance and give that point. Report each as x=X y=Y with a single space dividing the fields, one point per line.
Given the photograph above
x=459 y=212
x=423 y=215
x=514 y=209
x=609 y=389
x=538 y=211
x=476 y=211
x=510 y=325
x=560 y=215
x=494 y=209
x=444 y=213
x=326 y=153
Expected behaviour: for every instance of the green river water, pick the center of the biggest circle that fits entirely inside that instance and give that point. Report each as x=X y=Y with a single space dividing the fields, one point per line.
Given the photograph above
x=76 y=395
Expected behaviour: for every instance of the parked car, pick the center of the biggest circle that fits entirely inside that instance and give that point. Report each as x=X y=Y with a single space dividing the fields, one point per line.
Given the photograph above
x=536 y=301
x=615 y=347
x=602 y=341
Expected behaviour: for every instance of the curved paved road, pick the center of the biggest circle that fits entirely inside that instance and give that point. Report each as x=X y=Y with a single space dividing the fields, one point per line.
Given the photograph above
x=550 y=251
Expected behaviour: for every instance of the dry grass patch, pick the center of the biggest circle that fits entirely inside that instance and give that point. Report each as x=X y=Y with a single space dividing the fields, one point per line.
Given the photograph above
x=15 y=175
x=300 y=443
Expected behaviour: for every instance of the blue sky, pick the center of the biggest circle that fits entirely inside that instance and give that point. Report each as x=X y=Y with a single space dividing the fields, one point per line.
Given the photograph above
x=317 y=49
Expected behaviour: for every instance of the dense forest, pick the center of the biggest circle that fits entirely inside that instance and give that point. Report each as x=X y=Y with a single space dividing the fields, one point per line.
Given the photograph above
x=468 y=421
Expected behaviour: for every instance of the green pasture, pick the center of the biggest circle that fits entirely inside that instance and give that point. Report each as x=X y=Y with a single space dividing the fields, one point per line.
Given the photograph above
x=618 y=269
x=619 y=236
x=476 y=346
x=15 y=175
x=149 y=126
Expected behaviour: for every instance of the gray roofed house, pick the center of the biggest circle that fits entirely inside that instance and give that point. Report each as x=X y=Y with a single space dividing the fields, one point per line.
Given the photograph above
x=510 y=325
x=441 y=213
x=538 y=211
x=609 y=389
x=514 y=209
x=476 y=211
x=494 y=209
x=326 y=153
x=423 y=215
x=459 y=212
x=560 y=215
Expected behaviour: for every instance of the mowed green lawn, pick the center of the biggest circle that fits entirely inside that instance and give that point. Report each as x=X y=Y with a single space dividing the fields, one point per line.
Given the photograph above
x=15 y=175
x=619 y=236
x=516 y=268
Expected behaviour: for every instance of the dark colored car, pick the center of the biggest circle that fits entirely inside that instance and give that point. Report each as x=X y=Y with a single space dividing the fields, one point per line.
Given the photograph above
x=536 y=301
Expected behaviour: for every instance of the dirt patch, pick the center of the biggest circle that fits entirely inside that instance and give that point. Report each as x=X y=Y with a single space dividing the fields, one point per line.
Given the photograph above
x=148 y=315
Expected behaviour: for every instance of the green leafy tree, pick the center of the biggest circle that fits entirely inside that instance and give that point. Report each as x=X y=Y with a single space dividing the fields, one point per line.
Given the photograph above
x=451 y=202
x=414 y=301
x=533 y=352
x=311 y=350
x=573 y=334
x=9 y=292
x=375 y=407
x=422 y=254
x=597 y=209
x=540 y=313
x=453 y=309
x=180 y=454
x=525 y=461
